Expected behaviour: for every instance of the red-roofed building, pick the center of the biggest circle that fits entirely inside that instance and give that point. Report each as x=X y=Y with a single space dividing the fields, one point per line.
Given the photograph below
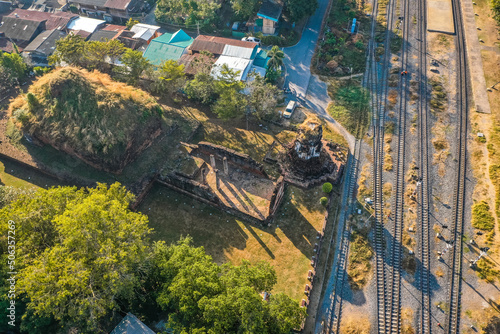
x=57 y=20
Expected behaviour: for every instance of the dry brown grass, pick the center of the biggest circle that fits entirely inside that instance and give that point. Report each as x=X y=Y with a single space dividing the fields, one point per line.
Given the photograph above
x=406 y=321
x=388 y=162
x=392 y=98
x=355 y=324
x=364 y=188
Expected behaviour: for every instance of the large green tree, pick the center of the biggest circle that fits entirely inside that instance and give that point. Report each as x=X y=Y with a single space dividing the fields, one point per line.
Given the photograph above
x=298 y=9
x=171 y=77
x=276 y=58
x=135 y=65
x=187 y=11
x=69 y=50
x=78 y=253
x=262 y=97
x=202 y=297
x=201 y=88
x=12 y=69
x=245 y=9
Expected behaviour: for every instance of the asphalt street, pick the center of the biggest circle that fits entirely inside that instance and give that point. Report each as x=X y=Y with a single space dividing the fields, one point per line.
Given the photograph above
x=308 y=89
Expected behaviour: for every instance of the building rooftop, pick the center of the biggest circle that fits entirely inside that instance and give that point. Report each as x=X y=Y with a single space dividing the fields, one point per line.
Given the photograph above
x=131 y=325
x=97 y=3
x=240 y=65
x=86 y=24
x=57 y=20
x=103 y=35
x=20 y=29
x=45 y=42
x=270 y=10
x=144 y=31
x=167 y=47
x=117 y=4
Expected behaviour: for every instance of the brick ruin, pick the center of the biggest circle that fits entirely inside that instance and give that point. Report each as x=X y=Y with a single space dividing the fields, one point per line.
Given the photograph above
x=310 y=160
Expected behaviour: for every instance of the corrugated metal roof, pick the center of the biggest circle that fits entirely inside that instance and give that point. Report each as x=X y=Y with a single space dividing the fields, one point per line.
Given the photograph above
x=190 y=61
x=238 y=51
x=157 y=52
x=144 y=31
x=270 y=10
x=45 y=42
x=179 y=38
x=131 y=325
x=117 y=4
x=21 y=29
x=85 y=23
x=241 y=65
x=57 y=20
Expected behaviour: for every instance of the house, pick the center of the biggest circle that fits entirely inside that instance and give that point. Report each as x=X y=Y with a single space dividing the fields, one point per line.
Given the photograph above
x=86 y=24
x=44 y=45
x=241 y=56
x=145 y=32
x=270 y=13
x=109 y=9
x=123 y=9
x=168 y=47
x=20 y=31
x=112 y=32
x=131 y=325
x=224 y=46
x=56 y=20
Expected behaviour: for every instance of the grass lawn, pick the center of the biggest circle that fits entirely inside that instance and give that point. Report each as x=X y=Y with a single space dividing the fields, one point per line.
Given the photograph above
x=287 y=244
x=16 y=175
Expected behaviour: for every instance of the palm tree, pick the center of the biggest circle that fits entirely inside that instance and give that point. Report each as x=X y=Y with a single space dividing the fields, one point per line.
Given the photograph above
x=276 y=56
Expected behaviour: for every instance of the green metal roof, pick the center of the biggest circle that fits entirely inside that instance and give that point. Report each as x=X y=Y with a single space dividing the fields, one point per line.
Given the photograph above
x=167 y=47
x=261 y=59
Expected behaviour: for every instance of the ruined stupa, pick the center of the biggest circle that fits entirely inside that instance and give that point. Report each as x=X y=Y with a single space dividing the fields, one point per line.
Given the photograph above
x=309 y=158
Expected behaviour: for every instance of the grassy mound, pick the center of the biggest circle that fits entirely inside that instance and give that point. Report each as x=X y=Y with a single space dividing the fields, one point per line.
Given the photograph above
x=104 y=122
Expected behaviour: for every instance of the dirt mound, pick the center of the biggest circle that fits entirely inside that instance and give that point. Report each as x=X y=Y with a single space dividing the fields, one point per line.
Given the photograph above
x=87 y=114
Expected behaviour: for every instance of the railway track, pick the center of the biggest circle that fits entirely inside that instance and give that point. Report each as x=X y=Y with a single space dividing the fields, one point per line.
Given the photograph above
x=423 y=174
x=393 y=309
x=380 y=88
x=452 y=324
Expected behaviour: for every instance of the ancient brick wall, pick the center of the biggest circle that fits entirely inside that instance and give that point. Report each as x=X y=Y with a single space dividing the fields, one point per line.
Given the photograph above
x=243 y=161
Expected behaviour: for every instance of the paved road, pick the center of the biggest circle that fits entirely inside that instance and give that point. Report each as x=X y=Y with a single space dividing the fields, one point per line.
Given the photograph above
x=298 y=72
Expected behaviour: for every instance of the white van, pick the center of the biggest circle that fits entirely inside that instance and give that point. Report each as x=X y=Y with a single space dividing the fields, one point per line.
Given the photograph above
x=289 y=109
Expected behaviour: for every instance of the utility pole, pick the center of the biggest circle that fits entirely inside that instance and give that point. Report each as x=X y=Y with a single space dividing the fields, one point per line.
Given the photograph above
x=198 y=27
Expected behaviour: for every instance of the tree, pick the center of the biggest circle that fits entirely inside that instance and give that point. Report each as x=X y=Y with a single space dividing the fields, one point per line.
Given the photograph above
x=272 y=75
x=323 y=201
x=12 y=69
x=495 y=6
x=276 y=57
x=327 y=187
x=230 y=104
x=262 y=97
x=187 y=11
x=95 y=56
x=70 y=50
x=202 y=297
x=171 y=76
x=298 y=9
x=201 y=88
x=79 y=252
x=135 y=64
x=130 y=23
x=245 y=9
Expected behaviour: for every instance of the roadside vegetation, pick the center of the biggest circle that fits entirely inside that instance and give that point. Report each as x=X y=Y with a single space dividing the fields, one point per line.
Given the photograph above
x=350 y=106
x=216 y=17
x=481 y=216
x=340 y=52
x=485 y=269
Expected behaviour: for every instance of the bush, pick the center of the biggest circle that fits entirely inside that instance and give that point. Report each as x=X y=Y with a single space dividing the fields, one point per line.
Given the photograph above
x=481 y=216
x=323 y=201
x=327 y=187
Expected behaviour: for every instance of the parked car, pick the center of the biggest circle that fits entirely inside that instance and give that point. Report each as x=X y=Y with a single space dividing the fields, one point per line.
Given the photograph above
x=290 y=109
x=251 y=39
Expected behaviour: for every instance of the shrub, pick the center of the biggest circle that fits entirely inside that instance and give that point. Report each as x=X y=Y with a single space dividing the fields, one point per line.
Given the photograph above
x=323 y=201
x=481 y=216
x=327 y=187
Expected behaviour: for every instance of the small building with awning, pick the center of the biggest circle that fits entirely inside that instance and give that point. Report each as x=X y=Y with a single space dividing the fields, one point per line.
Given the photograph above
x=270 y=13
